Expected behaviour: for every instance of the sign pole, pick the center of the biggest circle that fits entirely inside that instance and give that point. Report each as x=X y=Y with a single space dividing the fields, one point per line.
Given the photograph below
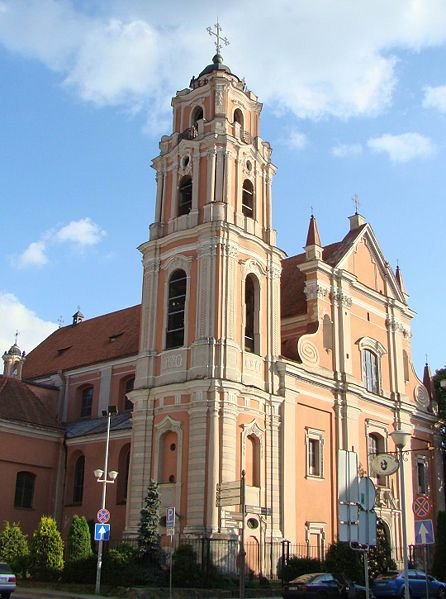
x=242 y=537
x=170 y=567
x=366 y=573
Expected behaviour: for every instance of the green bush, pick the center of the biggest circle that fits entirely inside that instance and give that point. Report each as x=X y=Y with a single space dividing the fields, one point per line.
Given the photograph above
x=81 y=570
x=79 y=539
x=438 y=567
x=186 y=571
x=46 y=551
x=121 y=563
x=343 y=560
x=299 y=565
x=14 y=548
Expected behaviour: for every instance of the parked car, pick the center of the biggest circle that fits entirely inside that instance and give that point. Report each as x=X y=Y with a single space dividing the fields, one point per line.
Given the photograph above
x=323 y=585
x=392 y=585
x=7 y=581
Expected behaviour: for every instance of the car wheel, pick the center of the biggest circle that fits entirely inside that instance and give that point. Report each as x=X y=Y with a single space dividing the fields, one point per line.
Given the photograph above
x=442 y=594
x=6 y=595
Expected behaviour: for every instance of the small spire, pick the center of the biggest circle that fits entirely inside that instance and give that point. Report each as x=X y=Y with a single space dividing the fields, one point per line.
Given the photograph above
x=313 y=247
x=78 y=316
x=356 y=202
x=428 y=381
x=313 y=233
x=400 y=280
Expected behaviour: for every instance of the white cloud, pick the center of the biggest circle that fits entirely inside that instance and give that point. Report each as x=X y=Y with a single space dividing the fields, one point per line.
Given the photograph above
x=337 y=59
x=402 y=148
x=82 y=233
x=34 y=255
x=15 y=316
x=435 y=97
x=297 y=140
x=345 y=150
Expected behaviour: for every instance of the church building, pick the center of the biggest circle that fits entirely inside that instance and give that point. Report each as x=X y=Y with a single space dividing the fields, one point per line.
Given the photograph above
x=239 y=359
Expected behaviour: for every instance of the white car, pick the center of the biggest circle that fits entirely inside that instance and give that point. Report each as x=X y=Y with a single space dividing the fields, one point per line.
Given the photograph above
x=7 y=581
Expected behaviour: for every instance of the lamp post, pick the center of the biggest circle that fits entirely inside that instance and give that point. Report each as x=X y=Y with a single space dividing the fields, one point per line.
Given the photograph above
x=101 y=477
x=400 y=438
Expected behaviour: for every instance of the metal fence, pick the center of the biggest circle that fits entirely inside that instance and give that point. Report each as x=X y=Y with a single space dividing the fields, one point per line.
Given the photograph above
x=261 y=560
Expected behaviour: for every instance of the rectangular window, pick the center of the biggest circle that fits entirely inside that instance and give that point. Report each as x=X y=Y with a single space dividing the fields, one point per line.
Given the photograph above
x=315 y=450
x=24 y=489
x=370 y=367
x=422 y=474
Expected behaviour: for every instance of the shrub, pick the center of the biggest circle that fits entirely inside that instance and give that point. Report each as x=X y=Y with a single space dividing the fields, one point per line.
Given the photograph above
x=81 y=570
x=343 y=560
x=79 y=540
x=121 y=563
x=299 y=565
x=186 y=571
x=46 y=555
x=14 y=548
x=438 y=567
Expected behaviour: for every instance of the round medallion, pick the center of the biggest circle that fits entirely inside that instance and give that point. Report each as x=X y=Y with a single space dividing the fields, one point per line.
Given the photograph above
x=421 y=396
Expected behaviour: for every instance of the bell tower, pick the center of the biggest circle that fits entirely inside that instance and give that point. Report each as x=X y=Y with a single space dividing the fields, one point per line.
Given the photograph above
x=205 y=403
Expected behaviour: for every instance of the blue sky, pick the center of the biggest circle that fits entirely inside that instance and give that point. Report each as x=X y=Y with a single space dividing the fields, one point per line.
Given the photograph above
x=354 y=96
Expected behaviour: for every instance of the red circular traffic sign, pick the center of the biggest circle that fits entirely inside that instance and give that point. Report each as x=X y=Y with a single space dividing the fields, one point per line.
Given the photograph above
x=422 y=506
x=103 y=516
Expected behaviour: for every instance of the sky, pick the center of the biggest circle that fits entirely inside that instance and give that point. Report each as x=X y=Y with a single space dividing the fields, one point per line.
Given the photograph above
x=354 y=102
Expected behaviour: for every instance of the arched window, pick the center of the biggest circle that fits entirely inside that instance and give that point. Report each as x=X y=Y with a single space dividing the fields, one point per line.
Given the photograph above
x=168 y=458
x=252 y=293
x=252 y=461
x=197 y=115
x=248 y=199
x=86 y=401
x=24 y=489
x=125 y=386
x=175 y=309
x=185 y=196
x=123 y=478
x=370 y=370
x=238 y=117
x=78 y=479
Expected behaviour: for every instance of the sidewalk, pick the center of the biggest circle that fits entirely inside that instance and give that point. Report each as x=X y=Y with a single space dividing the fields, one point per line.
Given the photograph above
x=147 y=593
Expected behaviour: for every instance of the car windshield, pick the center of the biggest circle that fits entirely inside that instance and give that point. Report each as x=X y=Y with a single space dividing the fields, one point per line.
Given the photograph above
x=5 y=569
x=304 y=578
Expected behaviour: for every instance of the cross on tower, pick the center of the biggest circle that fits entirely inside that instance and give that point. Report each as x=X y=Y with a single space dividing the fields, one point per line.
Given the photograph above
x=356 y=202
x=16 y=336
x=219 y=39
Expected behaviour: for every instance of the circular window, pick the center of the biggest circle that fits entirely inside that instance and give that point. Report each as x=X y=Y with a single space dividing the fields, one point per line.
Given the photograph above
x=172 y=478
x=172 y=447
x=252 y=523
x=249 y=165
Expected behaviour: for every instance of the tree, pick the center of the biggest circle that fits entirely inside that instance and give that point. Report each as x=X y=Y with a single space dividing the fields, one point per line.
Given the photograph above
x=46 y=550
x=380 y=557
x=79 y=539
x=438 y=568
x=14 y=547
x=149 y=547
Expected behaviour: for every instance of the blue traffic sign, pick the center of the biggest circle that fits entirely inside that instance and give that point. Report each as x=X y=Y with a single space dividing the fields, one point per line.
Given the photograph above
x=424 y=532
x=102 y=532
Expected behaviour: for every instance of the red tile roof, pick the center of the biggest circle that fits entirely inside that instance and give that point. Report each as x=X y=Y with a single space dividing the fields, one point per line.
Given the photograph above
x=108 y=337
x=18 y=403
x=293 y=300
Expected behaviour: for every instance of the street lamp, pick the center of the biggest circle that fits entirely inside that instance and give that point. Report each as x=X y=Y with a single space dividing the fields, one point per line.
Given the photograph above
x=101 y=477
x=400 y=438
